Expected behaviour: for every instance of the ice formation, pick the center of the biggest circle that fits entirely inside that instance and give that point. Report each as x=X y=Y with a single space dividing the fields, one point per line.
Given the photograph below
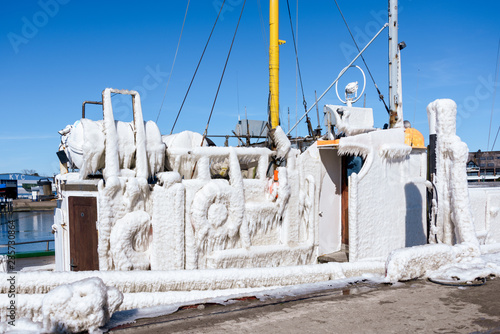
x=4 y=260
x=92 y=147
x=219 y=207
x=281 y=142
x=350 y=120
x=23 y=325
x=83 y=305
x=454 y=223
x=129 y=241
x=414 y=262
x=454 y=218
x=187 y=280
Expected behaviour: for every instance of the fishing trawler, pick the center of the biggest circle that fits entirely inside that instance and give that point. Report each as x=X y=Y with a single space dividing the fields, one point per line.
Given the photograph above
x=143 y=201
x=142 y=217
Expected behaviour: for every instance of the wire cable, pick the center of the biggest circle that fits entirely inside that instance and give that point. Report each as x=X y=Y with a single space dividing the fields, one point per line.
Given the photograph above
x=380 y=96
x=199 y=62
x=296 y=56
x=173 y=63
x=493 y=146
x=223 y=71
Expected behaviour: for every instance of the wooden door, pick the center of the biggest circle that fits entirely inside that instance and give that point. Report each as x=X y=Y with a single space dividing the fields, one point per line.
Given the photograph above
x=83 y=233
x=345 y=204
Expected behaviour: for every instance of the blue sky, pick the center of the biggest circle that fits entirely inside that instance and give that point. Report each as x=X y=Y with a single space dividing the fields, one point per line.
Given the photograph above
x=54 y=54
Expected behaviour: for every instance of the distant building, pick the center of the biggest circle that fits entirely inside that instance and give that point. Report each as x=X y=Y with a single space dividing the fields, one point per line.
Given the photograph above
x=483 y=166
x=19 y=185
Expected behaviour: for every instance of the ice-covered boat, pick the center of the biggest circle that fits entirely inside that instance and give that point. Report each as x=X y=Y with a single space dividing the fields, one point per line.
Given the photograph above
x=157 y=213
x=142 y=201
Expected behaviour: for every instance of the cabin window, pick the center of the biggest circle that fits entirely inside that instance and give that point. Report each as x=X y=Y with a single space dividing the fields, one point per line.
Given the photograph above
x=472 y=174
x=354 y=164
x=489 y=172
x=491 y=158
x=482 y=158
x=491 y=164
x=482 y=165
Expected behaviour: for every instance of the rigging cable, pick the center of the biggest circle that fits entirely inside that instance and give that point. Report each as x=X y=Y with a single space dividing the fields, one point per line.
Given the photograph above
x=309 y=126
x=263 y=28
x=199 y=62
x=493 y=146
x=380 y=96
x=494 y=94
x=223 y=71
x=173 y=63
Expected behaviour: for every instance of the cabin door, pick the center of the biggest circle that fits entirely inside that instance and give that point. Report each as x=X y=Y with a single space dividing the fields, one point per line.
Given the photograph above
x=83 y=233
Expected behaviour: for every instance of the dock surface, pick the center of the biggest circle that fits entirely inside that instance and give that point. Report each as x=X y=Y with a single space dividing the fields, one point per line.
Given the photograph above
x=412 y=307
x=24 y=205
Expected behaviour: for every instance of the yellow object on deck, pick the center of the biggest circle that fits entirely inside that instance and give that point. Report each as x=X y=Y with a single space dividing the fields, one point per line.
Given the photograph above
x=414 y=138
x=328 y=142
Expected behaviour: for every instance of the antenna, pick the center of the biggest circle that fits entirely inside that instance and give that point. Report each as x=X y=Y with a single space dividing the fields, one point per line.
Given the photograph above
x=288 y=118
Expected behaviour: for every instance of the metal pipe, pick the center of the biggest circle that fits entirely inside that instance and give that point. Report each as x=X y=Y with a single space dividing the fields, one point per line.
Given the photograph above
x=29 y=242
x=338 y=77
x=395 y=117
x=88 y=102
x=274 y=62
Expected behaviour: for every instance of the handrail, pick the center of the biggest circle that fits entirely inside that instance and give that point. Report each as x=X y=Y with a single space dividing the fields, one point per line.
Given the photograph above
x=88 y=102
x=48 y=241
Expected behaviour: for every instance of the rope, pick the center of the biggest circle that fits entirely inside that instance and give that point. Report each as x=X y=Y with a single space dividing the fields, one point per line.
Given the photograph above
x=480 y=280
x=199 y=62
x=296 y=57
x=380 y=96
x=173 y=63
x=223 y=71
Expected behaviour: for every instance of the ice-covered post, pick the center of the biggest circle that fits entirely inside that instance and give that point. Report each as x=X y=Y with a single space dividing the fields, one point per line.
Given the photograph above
x=454 y=221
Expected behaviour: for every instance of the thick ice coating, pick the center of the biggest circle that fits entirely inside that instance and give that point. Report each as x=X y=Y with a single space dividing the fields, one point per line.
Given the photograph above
x=83 y=305
x=454 y=223
x=281 y=141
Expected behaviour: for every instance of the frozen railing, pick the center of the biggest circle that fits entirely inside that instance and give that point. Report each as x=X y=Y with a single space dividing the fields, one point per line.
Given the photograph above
x=48 y=241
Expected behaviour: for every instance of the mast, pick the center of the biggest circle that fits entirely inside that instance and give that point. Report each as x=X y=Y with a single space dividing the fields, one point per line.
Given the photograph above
x=395 y=91
x=274 y=62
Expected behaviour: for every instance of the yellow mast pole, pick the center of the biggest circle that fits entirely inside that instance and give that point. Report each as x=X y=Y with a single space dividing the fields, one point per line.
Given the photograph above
x=274 y=62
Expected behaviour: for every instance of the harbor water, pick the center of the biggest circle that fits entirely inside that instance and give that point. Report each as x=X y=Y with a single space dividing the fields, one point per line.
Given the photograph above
x=29 y=227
